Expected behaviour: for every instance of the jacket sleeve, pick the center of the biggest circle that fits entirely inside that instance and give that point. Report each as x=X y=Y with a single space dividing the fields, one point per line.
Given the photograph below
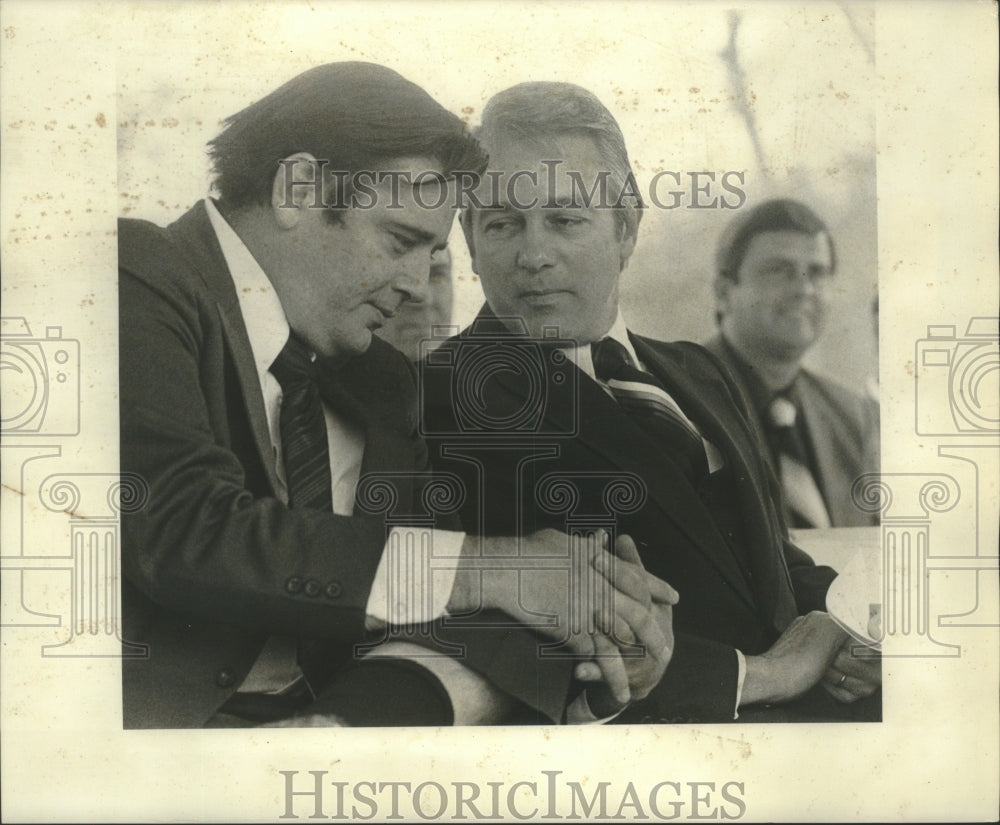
x=205 y=545
x=809 y=580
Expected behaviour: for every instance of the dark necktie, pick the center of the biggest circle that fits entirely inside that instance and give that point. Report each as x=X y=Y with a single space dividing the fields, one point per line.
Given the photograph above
x=803 y=499
x=651 y=406
x=303 y=429
x=306 y=455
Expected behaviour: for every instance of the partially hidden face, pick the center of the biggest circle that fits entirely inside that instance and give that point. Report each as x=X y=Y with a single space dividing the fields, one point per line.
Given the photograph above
x=339 y=282
x=543 y=255
x=413 y=323
x=778 y=304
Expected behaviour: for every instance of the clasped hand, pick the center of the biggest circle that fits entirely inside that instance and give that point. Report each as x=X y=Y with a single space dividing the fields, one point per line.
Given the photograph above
x=608 y=612
x=634 y=638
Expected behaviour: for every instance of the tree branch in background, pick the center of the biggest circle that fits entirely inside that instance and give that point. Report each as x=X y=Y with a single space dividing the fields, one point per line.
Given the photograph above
x=730 y=57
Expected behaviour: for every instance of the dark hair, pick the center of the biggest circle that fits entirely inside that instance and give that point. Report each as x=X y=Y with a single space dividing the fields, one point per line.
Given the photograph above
x=779 y=215
x=355 y=115
x=540 y=109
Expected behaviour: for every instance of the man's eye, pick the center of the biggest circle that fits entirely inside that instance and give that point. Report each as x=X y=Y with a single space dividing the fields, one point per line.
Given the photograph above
x=780 y=271
x=402 y=243
x=566 y=221
x=499 y=226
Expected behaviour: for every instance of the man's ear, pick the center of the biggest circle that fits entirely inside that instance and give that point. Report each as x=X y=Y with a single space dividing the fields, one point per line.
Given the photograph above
x=465 y=219
x=297 y=186
x=722 y=287
x=627 y=248
x=626 y=244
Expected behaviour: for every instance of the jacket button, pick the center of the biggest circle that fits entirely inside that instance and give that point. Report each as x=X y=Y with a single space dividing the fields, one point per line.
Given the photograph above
x=333 y=590
x=293 y=585
x=225 y=678
x=312 y=588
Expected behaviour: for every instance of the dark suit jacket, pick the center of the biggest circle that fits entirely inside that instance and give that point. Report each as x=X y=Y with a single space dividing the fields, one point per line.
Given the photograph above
x=216 y=562
x=843 y=429
x=728 y=599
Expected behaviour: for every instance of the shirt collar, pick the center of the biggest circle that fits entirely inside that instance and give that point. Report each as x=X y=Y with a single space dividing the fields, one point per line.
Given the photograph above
x=584 y=360
x=267 y=327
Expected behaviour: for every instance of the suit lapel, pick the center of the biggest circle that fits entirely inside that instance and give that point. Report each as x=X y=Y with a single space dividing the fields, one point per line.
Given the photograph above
x=606 y=431
x=829 y=448
x=197 y=241
x=706 y=400
x=709 y=403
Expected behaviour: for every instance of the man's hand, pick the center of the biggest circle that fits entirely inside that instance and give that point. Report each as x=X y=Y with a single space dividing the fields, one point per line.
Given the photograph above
x=795 y=663
x=852 y=677
x=601 y=597
x=645 y=655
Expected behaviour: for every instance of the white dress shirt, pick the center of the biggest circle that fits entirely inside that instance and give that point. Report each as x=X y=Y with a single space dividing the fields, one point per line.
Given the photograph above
x=268 y=330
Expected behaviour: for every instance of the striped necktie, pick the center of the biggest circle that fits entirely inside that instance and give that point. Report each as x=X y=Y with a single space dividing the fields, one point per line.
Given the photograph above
x=650 y=404
x=304 y=445
x=803 y=499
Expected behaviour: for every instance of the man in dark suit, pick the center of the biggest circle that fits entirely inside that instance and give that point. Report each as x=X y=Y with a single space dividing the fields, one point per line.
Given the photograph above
x=775 y=270
x=287 y=485
x=555 y=415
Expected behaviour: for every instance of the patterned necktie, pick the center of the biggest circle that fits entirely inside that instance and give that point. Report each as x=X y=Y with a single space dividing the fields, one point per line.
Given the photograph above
x=650 y=405
x=803 y=500
x=303 y=429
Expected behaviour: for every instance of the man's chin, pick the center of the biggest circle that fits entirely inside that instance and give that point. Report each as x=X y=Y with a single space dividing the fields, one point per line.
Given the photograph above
x=345 y=349
x=800 y=335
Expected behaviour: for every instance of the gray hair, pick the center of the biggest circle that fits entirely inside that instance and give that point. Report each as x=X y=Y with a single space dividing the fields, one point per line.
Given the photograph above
x=540 y=109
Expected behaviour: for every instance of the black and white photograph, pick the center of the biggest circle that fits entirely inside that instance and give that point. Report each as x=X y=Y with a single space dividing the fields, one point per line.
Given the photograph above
x=428 y=411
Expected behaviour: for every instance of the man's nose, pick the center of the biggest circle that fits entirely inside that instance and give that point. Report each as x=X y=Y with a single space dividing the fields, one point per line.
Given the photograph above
x=414 y=281
x=535 y=251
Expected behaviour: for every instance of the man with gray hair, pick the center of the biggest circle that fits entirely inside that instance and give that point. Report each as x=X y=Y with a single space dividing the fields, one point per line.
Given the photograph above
x=555 y=414
x=775 y=271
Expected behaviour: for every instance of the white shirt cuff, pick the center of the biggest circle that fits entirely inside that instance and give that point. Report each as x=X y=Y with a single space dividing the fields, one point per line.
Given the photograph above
x=407 y=590
x=741 y=675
